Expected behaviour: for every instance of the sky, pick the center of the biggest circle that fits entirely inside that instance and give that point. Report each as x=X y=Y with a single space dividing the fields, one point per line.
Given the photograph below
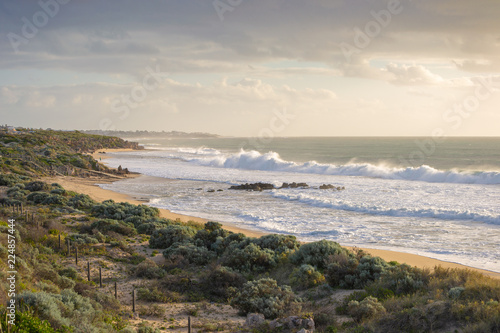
x=253 y=68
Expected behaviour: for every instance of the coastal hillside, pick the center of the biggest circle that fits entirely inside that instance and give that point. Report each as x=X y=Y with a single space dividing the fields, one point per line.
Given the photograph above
x=70 y=263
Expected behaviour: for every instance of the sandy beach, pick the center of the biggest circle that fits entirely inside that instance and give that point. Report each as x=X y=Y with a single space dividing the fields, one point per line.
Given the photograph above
x=89 y=186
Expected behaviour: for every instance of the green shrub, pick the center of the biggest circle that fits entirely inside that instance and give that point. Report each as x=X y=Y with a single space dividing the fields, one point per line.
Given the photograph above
x=26 y=321
x=62 y=310
x=316 y=253
x=59 y=191
x=456 y=292
x=209 y=235
x=367 y=308
x=151 y=294
x=404 y=279
x=83 y=239
x=150 y=227
x=147 y=329
x=250 y=258
x=119 y=227
x=345 y=271
x=191 y=253
x=149 y=269
x=81 y=201
x=37 y=186
x=10 y=179
x=280 y=244
x=69 y=272
x=123 y=210
x=55 y=199
x=37 y=197
x=305 y=277
x=266 y=297
x=166 y=237
x=218 y=281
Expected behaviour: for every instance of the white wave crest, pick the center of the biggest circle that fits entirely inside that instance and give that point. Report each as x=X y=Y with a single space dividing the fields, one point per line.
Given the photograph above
x=271 y=161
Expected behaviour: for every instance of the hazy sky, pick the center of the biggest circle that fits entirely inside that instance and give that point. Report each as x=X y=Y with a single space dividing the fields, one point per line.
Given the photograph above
x=253 y=67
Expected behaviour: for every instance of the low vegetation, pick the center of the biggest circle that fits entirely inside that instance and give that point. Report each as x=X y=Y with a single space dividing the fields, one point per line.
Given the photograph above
x=274 y=275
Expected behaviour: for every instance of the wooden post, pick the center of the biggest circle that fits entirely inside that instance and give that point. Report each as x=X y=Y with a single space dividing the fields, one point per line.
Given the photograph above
x=189 y=324
x=88 y=270
x=21 y=208
x=133 y=300
x=69 y=246
x=100 y=277
x=32 y=217
x=76 y=255
x=116 y=293
x=59 y=242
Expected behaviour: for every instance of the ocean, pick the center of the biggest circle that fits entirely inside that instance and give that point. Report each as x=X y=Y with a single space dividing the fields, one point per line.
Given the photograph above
x=414 y=195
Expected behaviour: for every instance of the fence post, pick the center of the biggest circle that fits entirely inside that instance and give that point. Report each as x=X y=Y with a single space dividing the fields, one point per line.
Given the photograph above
x=189 y=324
x=76 y=255
x=100 y=277
x=133 y=300
x=116 y=293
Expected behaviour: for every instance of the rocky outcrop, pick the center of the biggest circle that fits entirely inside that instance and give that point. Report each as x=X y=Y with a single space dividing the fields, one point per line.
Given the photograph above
x=253 y=187
x=331 y=187
x=294 y=185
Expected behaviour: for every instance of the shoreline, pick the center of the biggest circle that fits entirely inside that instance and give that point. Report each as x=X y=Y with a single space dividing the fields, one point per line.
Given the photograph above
x=90 y=187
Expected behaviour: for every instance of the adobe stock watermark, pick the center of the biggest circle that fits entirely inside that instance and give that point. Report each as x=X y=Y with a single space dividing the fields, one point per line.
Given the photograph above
x=138 y=94
x=31 y=28
x=223 y=6
x=363 y=37
x=277 y=124
x=453 y=117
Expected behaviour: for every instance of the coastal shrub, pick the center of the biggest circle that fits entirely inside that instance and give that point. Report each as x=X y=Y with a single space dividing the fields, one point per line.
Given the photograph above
x=238 y=240
x=10 y=179
x=149 y=269
x=119 y=227
x=81 y=201
x=367 y=308
x=456 y=292
x=147 y=329
x=208 y=236
x=82 y=239
x=61 y=310
x=36 y=186
x=27 y=321
x=218 y=281
x=166 y=237
x=346 y=271
x=316 y=253
x=16 y=193
x=404 y=279
x=151 y=294
x=55 y=199
x=150 y=227
x=37 y=197
x=69 y=272
x=250 y=258
x=121 y=211
x=193 y=254
x=59 y=191
x=280 y=244
x=305 y=277
x=266 y=297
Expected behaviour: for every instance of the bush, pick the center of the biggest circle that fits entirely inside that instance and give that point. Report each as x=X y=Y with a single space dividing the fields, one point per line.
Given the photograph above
x=220 y=279
x=37 y=186
x=209 y=235
x=345 y=271
x=119 y=227
x=250 y=258
x=123 y=210
x=455 y=293
x=367 y=308
x=37 y=197
x=404 y=279
x=10 y=179
x=83 y=239
x=62 y=310
x=266 y=297
x=55 y=199
x=150 y=227
x=81 y=201
x=191 y=253
x=152 y=294
x=166 y=237
x=147 y=329
x=59 y=191
x=306 y=276
x=69 y=272
x=316 y=253
x=280 y=244
x=149 y=270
